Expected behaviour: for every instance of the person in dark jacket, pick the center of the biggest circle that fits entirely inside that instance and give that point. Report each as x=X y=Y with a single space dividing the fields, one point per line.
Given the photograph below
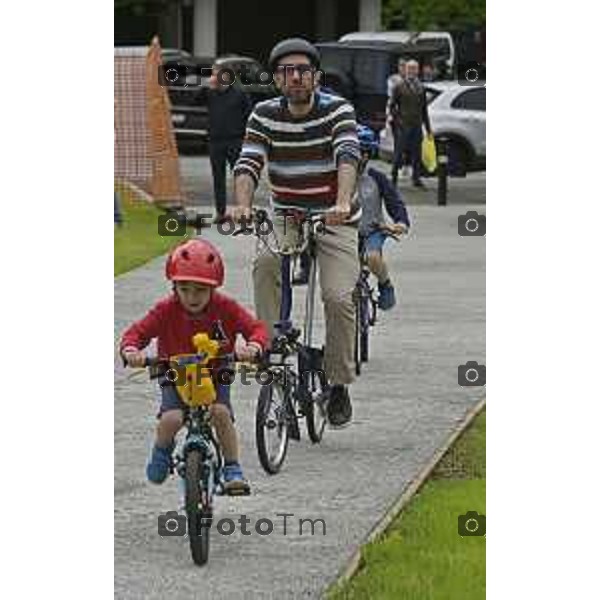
x=408 y=107
x=228 y=110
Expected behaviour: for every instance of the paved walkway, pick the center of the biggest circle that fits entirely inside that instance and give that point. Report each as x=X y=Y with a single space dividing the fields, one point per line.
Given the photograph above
x=406 y=403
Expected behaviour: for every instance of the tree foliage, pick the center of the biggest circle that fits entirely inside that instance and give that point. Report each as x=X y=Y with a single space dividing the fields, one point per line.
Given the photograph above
x=142 y=7
x=424 y=15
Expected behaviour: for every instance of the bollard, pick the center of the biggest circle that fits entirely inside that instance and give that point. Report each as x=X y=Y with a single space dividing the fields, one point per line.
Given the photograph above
x=118 y=213
x=442 y=170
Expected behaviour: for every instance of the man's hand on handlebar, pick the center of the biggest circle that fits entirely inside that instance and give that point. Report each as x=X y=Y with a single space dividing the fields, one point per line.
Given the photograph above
x=338 y=214
x=240 y=214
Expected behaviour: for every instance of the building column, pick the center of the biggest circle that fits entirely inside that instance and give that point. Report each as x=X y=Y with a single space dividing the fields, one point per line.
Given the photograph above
x=326 y=26
x=369 y=15
x=205 y=27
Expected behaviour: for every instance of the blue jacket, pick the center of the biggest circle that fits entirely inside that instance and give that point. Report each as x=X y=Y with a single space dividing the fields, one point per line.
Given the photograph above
x=371 y=199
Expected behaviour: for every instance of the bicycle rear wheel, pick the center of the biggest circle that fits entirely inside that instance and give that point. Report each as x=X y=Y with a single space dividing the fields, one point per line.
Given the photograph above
x=272 y=426
x=197 y=508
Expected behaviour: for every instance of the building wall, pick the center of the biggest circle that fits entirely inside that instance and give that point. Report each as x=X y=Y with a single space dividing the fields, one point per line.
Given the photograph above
x=251 y=27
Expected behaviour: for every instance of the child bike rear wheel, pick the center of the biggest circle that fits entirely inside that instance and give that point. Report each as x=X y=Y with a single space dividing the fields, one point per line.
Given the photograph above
x=272 y=426
x=197 y=508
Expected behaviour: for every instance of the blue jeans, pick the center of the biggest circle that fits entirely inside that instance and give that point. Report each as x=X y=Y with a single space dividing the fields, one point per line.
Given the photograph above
x=408 y=139
x=169 y=397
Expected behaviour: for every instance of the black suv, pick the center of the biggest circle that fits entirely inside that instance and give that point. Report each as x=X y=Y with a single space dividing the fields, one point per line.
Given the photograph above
x=189 y=110
x=359 y=72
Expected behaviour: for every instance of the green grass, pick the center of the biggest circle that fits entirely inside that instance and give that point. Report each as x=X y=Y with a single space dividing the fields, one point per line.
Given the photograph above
x=137 y=240
x=421 y=556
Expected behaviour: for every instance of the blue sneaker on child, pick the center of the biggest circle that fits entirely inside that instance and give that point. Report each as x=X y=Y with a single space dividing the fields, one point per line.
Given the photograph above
x=159 y=467
x=233 y=479
x=387 y=296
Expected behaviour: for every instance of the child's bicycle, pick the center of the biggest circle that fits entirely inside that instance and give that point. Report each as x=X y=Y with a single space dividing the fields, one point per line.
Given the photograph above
x=299 y=387
x=198 y=460
x=366 y=303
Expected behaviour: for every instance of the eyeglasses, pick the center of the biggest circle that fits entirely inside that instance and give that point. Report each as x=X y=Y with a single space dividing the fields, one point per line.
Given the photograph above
x=301 y=69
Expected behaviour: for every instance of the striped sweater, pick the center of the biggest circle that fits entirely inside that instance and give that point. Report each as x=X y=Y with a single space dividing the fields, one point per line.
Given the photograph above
x=303 y=153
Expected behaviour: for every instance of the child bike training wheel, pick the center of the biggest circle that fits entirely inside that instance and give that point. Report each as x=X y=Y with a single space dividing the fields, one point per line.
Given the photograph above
x=272 y=426
x=198 y=509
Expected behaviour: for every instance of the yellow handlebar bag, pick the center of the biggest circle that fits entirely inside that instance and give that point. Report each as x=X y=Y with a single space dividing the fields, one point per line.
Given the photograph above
x=428 y=153
x=198 y=388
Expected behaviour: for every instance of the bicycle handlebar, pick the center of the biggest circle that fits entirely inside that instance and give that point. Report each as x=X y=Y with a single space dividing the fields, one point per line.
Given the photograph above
x=308 y=222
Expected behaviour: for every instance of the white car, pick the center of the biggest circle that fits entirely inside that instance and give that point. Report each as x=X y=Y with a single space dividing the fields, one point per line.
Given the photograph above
x=458 y=113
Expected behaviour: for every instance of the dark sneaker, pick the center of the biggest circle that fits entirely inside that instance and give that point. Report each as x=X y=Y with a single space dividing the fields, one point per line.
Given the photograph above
x=387 y=295
x=339 y=407
x=419 y=184
x=159 y=467
x=234 y=482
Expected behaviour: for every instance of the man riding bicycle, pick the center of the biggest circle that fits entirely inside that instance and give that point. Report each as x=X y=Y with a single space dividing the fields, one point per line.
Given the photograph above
x=309 y=140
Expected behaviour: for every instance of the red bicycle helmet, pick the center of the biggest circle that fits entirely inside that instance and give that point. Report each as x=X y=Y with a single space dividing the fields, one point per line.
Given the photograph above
x=196 y=260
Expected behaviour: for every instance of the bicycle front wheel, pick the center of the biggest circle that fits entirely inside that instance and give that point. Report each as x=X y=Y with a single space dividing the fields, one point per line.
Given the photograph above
x=358 y=318
x=197 y=508
x=365 y=325
x=272 y=427
x=316 y=409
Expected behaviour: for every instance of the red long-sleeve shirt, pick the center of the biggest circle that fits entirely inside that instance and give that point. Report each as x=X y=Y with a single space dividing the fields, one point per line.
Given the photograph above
x=174 y=327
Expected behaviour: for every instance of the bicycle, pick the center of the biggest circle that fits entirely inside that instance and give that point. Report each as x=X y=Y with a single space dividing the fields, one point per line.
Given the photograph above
x=366 y=303
x=299 y=388
x=198 y=460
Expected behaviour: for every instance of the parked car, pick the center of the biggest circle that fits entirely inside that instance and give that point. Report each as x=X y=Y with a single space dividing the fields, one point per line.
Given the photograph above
x=457 y=113
x=359 y=72
x=189 y=110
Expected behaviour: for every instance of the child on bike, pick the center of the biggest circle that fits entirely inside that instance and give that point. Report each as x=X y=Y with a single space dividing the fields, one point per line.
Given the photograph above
x=196 y=270
x=373 y=190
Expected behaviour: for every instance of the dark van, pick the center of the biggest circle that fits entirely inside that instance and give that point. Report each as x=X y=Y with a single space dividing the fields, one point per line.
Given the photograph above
x=359 y=72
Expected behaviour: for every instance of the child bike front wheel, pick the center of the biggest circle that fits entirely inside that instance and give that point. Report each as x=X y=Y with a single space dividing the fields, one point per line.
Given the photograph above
x=198 y=508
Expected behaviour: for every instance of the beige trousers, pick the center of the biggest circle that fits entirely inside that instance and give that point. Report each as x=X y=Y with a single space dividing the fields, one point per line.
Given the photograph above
x=337 y=261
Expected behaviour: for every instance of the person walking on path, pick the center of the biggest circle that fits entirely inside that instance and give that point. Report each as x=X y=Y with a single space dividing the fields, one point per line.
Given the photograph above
x=408 y=107
x=228 y=110
x=309 y=140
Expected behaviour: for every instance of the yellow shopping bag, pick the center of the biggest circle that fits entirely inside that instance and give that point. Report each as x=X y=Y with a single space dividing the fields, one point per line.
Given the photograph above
x=428 y=154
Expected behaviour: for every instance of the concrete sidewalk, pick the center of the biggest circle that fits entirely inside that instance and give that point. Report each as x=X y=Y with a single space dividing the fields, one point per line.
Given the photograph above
x=405 y=405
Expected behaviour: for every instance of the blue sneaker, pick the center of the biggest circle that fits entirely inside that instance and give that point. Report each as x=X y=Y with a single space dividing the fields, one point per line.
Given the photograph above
x=387 y=296
x=159 y=467
x=234 y=482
